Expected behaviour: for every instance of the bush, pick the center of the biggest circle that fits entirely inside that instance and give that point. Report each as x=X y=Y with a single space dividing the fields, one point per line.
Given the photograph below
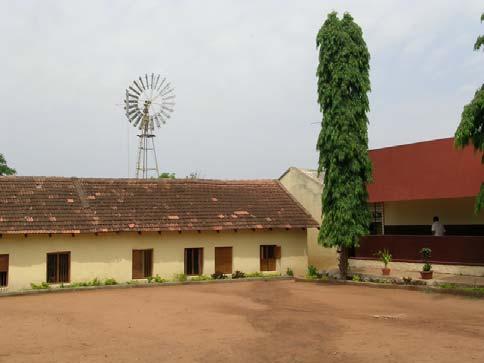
x=156 y=279
x=96 y=282
x=289 y=272
x=218 y=276
x=356 y=278
x=313 y=272
x=426 y=253
x=180 y=277
x=255 y=274
x=110 y=282
x=385 y=256
x=41 y=286
x=238 y=275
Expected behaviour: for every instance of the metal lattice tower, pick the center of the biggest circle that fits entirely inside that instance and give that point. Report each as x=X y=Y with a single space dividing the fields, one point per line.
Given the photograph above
x=148 y=102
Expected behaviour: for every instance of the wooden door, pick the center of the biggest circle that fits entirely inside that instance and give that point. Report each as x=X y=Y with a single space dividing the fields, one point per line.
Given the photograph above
x=223 y=260
x=3 y=270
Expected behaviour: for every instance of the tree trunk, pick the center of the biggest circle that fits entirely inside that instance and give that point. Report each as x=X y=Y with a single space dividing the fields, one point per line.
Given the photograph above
x=343 y=262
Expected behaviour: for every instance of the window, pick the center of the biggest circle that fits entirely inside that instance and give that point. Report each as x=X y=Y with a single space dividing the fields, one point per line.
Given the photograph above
x=223 y=260
x=193 y=261
x=58 y=267
x=376 y=225
x=3 y=270
x=142 y=263
x=269 y=254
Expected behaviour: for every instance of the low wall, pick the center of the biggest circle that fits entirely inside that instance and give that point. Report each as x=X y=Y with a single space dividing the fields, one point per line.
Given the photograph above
x=458 y=250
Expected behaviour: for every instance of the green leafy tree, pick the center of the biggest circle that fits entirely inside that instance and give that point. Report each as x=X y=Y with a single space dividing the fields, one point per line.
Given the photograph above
x=343 y=85
x=471 y=127
x=4 y=169
x=166 y=175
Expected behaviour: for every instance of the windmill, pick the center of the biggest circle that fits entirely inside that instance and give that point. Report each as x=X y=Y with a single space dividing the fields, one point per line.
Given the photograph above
x=148 y=104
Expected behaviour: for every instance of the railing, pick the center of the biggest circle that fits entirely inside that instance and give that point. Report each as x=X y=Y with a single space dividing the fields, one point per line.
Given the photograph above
x=458 y=250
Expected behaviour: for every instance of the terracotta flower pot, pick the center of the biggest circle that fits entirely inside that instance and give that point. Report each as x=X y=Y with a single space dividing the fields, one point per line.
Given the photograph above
x=426 y=275
x=385 y=271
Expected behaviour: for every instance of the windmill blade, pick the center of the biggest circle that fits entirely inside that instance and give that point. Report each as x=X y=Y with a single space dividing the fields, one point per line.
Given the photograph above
x=168 y=97
x=164 y=88
x=164 y=113
x=147 y=84
x=133 y=111
x=152 y=80
x=142 y=84
x=134 y=90
x=161 y=84
x=137 y=85
x=131 y=95
x=137 y=120
x=133 y=101
x=166 y=108
x=156 y=82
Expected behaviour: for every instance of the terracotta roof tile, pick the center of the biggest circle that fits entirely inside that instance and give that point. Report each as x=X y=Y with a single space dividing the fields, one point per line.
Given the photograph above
x=72 y=205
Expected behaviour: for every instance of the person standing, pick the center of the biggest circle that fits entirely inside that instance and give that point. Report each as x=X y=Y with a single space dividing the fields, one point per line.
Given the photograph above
x=437 y=228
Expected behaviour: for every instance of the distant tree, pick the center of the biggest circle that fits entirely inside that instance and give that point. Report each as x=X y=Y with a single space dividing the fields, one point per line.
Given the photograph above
x=166 y=175
x=471 y=127
x=343 y=84
x=194 y=175
x=4 y=169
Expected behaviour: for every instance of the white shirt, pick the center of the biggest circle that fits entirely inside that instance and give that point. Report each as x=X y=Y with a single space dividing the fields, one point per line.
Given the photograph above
x=438 y=229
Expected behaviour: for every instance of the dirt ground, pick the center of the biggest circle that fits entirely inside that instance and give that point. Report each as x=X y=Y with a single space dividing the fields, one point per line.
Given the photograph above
x=277 y=321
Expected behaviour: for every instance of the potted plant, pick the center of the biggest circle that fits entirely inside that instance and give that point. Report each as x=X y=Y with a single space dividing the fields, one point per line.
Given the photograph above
x=385 y=257
x=426 y=273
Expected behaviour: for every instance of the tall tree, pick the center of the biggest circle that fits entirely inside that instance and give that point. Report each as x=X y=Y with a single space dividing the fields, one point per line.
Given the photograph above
x=343 y=85
x=4 y=169
x=471 y=127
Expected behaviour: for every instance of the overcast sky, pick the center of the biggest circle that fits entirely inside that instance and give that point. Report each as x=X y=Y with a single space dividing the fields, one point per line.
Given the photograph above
x=244 y=77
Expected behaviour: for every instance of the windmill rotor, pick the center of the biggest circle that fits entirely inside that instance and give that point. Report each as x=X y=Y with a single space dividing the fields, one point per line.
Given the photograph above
x=148 y=103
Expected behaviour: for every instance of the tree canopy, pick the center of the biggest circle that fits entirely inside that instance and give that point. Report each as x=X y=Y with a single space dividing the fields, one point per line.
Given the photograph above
x=471 y=127
x=166 y=175
x=343 y=85
x=4 y=169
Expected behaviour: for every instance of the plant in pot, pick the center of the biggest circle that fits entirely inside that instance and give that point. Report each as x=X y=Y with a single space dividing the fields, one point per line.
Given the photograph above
x=385 y=257
x=426 y=273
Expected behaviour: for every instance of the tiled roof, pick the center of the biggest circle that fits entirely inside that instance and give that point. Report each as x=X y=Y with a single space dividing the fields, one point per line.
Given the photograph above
x=72 y=205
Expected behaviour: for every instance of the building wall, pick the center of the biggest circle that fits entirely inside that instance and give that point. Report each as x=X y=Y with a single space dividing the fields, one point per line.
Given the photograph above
x=307 y=191
x=421 y=212
x=109 y=255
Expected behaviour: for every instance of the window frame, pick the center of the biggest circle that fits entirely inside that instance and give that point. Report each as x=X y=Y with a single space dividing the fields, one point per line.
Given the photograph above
x=6 y=270
x=267 y=259
x=57 y=279
x=145 y=273
x=200 y=261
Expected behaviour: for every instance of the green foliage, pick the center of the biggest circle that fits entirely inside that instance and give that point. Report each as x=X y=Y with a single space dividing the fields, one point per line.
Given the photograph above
x=4 y=169
x=41 y=286
x=166 y=175
x=313 y=273
x=156 y=279
x=255 y=274
x=471 y=127
x=385 y=256
x=180 y=277
x=356 y=278
x=109 y=281
x=343 y=84
x=218 y=276
x=200 y=278
x=426 y=253
x=289 y=272
x=238 y=275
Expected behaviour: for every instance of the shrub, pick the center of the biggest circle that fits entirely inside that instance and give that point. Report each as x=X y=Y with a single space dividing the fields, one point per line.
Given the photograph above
x=110 y=281
x=313 y=272
x=180 y=277
x=407 y=280
x=41 y=286
x=238 y=275
x=158 y=279
x=96 y=282
x=356 y=278
x=218 y=276
x=255 y=274
x=385 y=256
x=289 y=272
x=426 y=253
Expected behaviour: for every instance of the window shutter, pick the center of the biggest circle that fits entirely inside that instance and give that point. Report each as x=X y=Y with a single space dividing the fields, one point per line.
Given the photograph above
x=137 y=264
x=277 y=252
x=223 y=260
x=3 y=263
x=200 y=261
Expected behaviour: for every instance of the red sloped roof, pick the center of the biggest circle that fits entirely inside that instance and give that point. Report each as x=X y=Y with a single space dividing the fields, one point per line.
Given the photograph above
x=71 y=205
x=425 y=170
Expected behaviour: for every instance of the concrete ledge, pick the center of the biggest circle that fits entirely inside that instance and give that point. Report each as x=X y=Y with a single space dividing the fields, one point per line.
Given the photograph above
x=458 y=291
x=56 y=290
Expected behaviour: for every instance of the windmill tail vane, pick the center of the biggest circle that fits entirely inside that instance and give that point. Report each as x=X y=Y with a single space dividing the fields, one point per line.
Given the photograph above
x=148 y=103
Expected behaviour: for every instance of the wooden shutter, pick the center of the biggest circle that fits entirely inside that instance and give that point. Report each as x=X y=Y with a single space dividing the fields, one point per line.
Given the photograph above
x=63 y=273
x=52 y=267
x=148 y=263
x=137 y=264
x=277 y=252
x=3 y=263
x=223 y=260
x=200 y=261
